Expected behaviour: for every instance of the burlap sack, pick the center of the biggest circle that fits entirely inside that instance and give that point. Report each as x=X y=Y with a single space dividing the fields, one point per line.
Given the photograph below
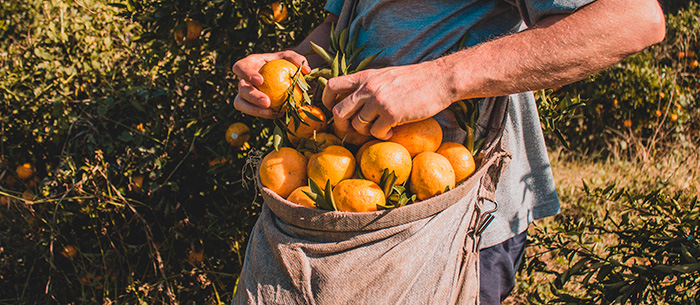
x=424 y=253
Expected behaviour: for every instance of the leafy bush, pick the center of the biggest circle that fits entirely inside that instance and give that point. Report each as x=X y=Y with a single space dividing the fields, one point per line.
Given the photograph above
x=135 y=195
x=647 y=100
x=643 y=250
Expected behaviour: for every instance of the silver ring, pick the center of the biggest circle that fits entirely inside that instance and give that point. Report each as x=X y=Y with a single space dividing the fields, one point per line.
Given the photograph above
x=359 y=118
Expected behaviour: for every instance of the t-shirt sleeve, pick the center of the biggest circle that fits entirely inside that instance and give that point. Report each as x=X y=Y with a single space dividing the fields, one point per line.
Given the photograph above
x=334 y=6
x=533 y=11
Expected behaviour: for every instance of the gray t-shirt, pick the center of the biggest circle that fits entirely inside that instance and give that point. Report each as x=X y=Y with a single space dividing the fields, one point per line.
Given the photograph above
x=412 y=31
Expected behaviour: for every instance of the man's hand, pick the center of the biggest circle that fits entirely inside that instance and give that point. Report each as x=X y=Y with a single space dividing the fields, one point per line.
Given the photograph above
x=249 y=99
x=383 y=98
x=558 y=50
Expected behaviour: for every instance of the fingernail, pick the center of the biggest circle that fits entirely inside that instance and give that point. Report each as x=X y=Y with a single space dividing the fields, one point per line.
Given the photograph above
x=256 y=80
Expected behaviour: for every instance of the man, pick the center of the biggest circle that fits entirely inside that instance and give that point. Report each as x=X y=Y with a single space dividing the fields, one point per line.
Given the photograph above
x=512 y=47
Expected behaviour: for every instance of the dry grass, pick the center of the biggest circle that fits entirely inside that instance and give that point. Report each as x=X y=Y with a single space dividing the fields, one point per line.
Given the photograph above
x=673 y=170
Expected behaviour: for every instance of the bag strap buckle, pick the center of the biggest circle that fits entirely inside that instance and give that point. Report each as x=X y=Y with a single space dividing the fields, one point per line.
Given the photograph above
x=481 y=219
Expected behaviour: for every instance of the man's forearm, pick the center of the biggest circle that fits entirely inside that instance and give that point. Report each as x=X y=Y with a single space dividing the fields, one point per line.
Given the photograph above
x=320 y=36
x=556 y=51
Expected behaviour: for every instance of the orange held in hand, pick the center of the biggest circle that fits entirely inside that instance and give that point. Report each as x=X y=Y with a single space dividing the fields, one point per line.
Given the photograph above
x=278 y=77
x=283 y=170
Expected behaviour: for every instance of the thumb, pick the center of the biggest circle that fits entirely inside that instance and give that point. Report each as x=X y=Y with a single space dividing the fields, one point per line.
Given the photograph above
x=337 y=88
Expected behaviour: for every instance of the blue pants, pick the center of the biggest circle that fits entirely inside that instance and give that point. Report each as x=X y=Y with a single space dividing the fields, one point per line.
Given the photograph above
x=498 y=265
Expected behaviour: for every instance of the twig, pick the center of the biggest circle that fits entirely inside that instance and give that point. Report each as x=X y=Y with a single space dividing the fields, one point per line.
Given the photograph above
x=160 y=266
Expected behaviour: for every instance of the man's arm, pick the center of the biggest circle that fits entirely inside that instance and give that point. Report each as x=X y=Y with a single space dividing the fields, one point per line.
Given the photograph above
x=251 y=100
x=557 y=50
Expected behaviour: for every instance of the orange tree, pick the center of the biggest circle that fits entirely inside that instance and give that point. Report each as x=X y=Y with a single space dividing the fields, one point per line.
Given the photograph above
x=131 y=192
x=641 y=104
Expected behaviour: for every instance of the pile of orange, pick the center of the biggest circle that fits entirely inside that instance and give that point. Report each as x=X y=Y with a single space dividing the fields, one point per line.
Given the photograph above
x=361 y=173
x=424 y=165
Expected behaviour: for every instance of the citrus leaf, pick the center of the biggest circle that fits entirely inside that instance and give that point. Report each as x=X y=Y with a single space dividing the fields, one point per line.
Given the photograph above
x=343 y=40
x=277 y=138
x=343 y=65
x=365 y=62
x=387 y=181
x=311 y=116
x=323 y=81
x=321 y=52
x=356 y=53
x=334 y=38
x=350 y=48
x=329 y=195
x=335 y=66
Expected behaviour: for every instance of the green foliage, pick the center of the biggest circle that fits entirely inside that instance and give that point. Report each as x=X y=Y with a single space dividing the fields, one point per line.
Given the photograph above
x=643 y=250
x=646 y=100
x=125 y=128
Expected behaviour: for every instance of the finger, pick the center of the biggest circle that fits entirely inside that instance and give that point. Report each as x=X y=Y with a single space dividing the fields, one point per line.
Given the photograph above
x=342 y=126
x=252 y=95
x=244 y=106
x=330 y=97
x=339 y=88
x=381 y=128
x=248 y=67
x=346 y=86
x=362 y=122
x=297 y=59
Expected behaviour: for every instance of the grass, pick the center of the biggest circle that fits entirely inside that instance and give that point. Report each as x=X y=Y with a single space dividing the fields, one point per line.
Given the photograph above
x=673 y=170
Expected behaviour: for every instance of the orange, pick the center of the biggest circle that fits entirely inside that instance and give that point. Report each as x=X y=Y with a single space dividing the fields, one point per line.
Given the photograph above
x=25 y=171
x=283 y=170
x=358 y=195
x=277 y=15
x=658 y=113
x=306 y=130
x=137 y=183
x=419 y=136
x=317 y=142
x=674 y=117
x=324 y=139
x=194 y=29
x=28 y=195
x=299 y=197
x=386 y=155
x=627 y=123
x=431 y=175
x=195 y=257
x=69 y=251
x=460 y=158
x=358 y=156
x=352 y=137
x=189 y=32
x=335 y=163
x=237 y=134
x=10 y=181
x=217 y=161
x=278 y=77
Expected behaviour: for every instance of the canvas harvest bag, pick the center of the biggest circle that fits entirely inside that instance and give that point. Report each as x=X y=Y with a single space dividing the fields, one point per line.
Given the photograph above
x=424 y=253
